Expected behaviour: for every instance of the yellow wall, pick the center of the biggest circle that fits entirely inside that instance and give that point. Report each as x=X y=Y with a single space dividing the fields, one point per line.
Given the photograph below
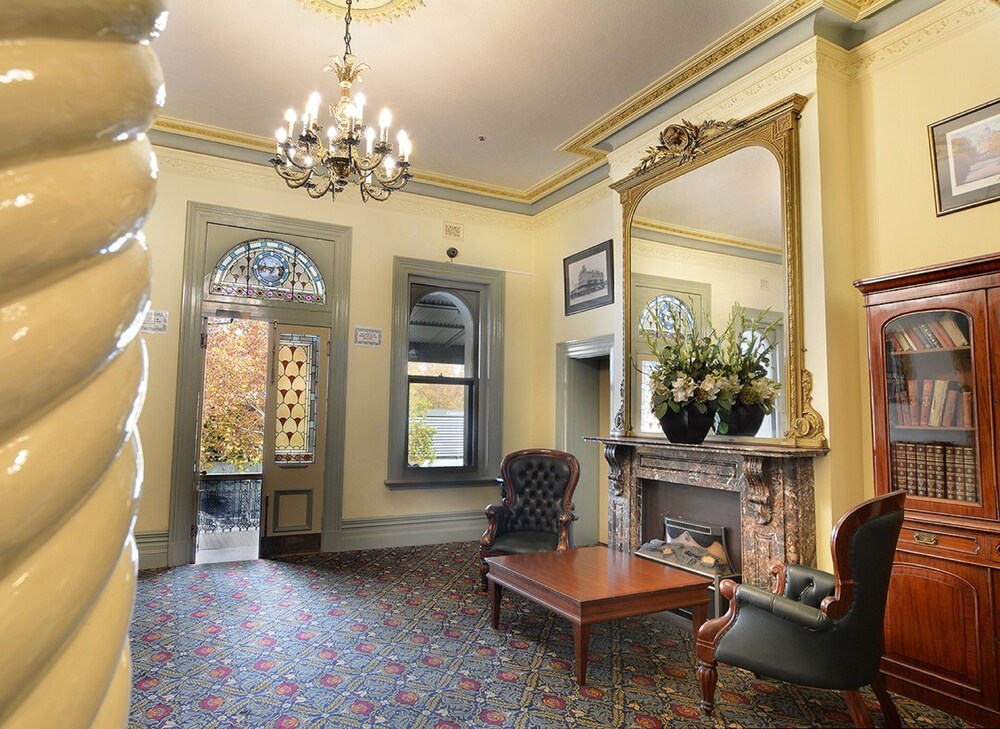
x=951 y=63
x=405 y=226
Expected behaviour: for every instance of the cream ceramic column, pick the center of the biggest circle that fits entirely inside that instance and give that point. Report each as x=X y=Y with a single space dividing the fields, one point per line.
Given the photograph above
x=78 y=87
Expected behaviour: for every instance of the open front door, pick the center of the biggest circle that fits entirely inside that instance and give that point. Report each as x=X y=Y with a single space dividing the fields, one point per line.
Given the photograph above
x=295 y=440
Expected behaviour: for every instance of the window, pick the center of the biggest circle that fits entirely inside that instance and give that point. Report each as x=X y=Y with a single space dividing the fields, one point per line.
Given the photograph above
x=652 y=298
x=446 y=379
x=269 y=269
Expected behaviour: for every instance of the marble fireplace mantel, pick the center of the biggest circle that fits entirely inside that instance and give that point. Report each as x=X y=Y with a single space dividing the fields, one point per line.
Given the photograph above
x=774 y=482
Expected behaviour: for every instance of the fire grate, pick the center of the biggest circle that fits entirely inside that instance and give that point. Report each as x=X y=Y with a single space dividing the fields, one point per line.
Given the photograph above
x=693 y=546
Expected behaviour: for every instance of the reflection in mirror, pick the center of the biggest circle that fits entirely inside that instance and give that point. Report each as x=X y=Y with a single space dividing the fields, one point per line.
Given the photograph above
x=442 y=336
x=706 y=242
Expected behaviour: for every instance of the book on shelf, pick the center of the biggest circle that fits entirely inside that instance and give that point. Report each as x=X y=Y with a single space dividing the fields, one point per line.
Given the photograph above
x=940 y=333
x=926 y=397
x=967 y=408
x=950 y=406
x=970 y=482
x=952 y=485
x=925 y=331
x=935 y=466
x=913 y=393
x=939 y=391
x=954 y=331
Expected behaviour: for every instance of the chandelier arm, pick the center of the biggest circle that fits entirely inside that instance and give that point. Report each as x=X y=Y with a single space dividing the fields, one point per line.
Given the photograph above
x=375 y=192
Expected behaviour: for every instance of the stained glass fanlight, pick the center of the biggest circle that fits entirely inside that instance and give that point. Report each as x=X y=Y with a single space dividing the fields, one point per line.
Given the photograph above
x=269 y=270
x=665 y=309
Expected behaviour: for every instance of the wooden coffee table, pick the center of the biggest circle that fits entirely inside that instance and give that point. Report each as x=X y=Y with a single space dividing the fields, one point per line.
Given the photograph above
x=594 y=584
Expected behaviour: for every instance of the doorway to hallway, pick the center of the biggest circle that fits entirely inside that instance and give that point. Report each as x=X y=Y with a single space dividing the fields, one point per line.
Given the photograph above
x=583 y=404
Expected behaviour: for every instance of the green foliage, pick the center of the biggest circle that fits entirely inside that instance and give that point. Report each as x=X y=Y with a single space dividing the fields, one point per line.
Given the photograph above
x=745 y=349
x=420 y=434
x=232 y=429
x=688 y=370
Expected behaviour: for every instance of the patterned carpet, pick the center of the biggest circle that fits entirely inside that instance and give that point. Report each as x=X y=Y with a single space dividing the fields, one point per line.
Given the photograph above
x=401 y=638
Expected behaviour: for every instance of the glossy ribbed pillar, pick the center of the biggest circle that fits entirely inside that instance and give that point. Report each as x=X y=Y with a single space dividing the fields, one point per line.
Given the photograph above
x=79 y=85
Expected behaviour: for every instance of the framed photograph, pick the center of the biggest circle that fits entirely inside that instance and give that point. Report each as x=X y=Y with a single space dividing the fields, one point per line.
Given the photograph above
x=588 y=279
x=965 y=152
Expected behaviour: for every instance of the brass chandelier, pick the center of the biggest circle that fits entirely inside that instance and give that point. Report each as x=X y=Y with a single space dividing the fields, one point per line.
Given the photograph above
x=302 y=160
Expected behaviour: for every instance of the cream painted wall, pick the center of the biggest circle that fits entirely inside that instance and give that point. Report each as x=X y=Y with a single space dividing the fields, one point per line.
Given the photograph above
x=407 y=226
x=578 y=223
x=945 y=62
x=732 y=279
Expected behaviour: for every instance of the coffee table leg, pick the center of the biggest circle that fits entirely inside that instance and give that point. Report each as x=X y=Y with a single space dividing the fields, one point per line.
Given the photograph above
x=581 y=644
x=495 y=593
x=698 y=615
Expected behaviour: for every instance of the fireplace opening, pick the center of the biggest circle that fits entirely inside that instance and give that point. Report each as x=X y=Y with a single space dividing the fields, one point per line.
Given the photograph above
x=696 y=529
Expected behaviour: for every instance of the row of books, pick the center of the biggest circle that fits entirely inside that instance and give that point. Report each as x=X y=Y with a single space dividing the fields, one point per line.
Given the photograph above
x=930 y=404
x=938 y=470
x=926 y=331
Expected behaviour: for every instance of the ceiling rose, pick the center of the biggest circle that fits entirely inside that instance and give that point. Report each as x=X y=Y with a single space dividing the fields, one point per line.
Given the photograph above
x=369 y=11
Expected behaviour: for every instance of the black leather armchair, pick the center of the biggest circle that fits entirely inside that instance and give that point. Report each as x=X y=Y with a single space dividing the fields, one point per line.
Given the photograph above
x=537 y=507
x=815 y=629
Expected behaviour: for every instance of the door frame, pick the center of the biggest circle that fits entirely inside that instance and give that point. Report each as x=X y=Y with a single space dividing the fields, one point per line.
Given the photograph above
x=190 y=361
x=568 y=384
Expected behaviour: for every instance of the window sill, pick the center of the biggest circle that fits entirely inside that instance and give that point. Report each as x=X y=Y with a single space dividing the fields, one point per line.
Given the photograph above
x=441 y=481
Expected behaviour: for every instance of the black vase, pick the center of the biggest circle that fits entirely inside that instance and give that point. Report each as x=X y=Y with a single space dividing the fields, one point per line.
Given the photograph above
x=742 y=419
x=688 y=425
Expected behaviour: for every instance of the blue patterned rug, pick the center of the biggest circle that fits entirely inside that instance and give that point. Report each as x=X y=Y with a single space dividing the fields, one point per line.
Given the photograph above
x=402 y=638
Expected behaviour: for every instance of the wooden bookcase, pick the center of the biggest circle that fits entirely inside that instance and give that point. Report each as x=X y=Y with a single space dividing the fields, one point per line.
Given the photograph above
x=934 y=364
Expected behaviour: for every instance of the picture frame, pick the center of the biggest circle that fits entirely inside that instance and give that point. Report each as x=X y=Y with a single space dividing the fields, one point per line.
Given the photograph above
x=965 y=155
x=588 y=279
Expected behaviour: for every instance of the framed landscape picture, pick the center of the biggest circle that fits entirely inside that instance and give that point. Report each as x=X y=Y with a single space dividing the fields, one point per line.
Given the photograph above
x=588 y=278
x=965 y=152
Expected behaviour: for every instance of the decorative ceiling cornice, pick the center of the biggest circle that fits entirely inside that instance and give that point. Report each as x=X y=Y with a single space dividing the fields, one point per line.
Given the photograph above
x=368 y=11
x=744 y=244
x=584 y=145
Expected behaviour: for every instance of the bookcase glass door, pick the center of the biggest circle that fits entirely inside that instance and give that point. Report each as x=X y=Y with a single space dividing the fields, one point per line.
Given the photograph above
x=931 y=406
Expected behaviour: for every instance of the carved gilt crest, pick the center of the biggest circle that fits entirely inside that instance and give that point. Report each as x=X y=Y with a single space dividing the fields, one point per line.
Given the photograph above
x=683 y=142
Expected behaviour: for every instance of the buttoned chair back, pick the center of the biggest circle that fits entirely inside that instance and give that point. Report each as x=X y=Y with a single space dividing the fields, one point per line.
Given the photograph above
x=536 y=510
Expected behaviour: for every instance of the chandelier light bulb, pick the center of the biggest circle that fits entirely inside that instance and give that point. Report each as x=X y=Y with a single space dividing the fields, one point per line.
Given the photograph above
x=404 y=145
x=290 y=118
x=282 y=135
x=369 y=140
x=359 y=102
x=313 y=108
x=390 y=164
x=384 y=121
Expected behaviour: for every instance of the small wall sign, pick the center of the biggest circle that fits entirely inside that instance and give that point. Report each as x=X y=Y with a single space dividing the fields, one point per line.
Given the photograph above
x=368 y=337
x=155 y=322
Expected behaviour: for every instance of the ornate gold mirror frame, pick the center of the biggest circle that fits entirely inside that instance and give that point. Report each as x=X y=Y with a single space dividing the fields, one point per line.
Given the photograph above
x=685 y=147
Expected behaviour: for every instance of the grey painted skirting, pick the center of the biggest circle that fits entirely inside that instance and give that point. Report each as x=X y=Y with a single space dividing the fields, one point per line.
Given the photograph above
x=152 y=549
x=411 y=531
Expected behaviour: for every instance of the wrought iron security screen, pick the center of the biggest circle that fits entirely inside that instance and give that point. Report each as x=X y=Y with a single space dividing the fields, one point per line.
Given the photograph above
x=228 y=503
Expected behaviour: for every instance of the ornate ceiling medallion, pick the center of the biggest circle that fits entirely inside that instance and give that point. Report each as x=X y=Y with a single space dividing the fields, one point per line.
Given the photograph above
x=369 y=11
x=683 y=142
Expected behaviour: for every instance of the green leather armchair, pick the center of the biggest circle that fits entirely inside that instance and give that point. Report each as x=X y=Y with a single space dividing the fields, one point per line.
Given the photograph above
x=814 y=628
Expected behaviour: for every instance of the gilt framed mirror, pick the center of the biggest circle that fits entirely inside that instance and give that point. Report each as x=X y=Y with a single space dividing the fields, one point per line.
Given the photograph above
x=712 y=224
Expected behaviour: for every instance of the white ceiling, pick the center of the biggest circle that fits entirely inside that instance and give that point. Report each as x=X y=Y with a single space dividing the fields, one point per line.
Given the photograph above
x=526 y=74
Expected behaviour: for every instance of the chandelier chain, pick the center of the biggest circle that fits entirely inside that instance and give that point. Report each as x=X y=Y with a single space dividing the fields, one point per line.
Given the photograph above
x=347 y=29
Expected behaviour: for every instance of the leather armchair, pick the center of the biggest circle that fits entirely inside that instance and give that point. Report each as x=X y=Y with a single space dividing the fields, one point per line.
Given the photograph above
x=537 y=507
x=815 y=628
